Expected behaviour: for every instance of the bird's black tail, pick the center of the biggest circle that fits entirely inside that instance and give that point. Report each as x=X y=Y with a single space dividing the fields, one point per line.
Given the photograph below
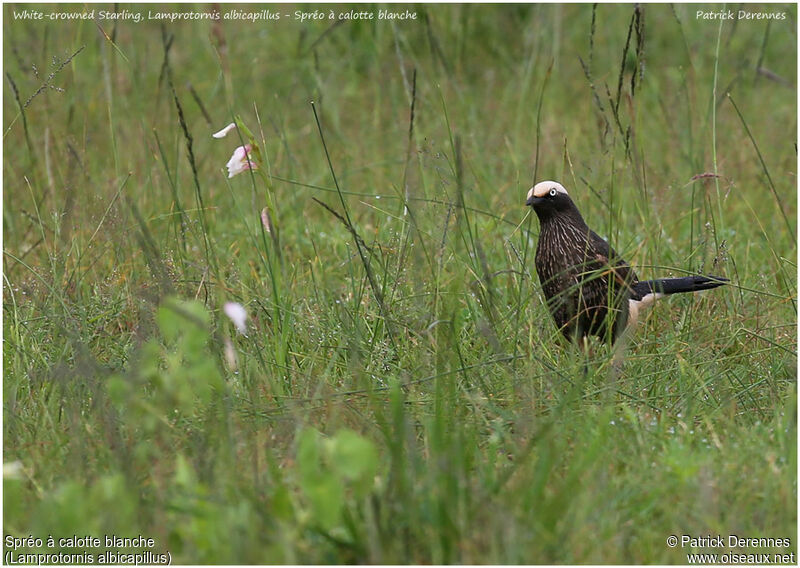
x=676 y=285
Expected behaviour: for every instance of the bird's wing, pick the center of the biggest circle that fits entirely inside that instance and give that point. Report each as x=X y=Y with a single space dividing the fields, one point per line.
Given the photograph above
x=607 y=257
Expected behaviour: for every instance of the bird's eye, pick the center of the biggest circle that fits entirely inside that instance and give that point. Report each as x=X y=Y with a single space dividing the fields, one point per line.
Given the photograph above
x=553 y=192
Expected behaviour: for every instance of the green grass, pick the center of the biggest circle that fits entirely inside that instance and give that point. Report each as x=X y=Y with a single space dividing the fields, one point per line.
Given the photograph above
x=402 y=395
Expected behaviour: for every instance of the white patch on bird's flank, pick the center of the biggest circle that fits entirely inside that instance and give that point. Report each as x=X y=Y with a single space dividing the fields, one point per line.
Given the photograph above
x=543 y=188
x=648 y=299
x=635 y=305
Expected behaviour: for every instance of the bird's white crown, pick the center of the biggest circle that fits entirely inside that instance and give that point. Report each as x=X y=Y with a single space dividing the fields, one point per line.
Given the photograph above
x=543 y=188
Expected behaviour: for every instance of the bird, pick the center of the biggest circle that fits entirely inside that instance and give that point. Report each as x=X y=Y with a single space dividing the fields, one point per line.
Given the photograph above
x=590 y=289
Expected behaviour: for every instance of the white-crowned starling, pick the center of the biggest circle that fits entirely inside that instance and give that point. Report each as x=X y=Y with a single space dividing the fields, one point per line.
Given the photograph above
x=590 y=289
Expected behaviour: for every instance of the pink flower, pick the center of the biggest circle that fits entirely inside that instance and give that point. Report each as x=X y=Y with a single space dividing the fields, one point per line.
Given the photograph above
x=237 y=315
x=230 y=354
x=244 y=157
x=224 y=132
x=266 y=219
x=241 y=161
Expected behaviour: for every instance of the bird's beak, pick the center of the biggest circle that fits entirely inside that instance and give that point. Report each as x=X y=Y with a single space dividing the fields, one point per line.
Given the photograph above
x=532 y=199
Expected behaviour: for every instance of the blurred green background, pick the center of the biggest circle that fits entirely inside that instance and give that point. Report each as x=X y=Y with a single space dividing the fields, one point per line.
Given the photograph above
x=401 y=394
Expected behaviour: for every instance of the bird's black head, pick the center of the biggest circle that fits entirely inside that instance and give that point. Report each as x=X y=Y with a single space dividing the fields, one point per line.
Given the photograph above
x=549 y=198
